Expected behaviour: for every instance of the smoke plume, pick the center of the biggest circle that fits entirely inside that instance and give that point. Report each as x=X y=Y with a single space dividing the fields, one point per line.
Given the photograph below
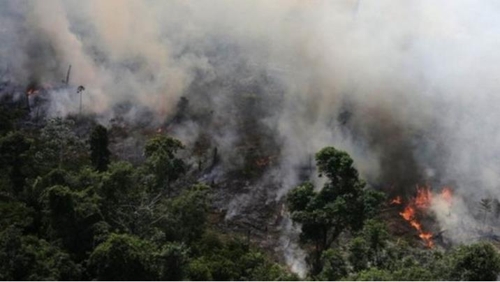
x=408 y=88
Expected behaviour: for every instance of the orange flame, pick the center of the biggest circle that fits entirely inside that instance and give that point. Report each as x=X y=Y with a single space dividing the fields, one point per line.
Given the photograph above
x=424 y=197
x=422 y=202
x=427 y=237
x=397 y=201
x=408 y=213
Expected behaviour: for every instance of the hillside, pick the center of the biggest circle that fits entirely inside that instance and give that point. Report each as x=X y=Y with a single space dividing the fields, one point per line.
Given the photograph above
x=256 y=140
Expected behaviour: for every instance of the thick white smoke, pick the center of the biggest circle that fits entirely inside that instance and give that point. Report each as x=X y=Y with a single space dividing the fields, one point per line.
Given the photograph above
x=409 y=88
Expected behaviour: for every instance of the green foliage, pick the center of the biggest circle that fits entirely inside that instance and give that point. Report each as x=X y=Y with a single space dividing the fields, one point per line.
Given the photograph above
x=375 y=233
x=413 y=273
x=224 y=262
x=55 y=177
x=359 y=254
x=221 y=258
x=475 y=262
x=376 y=236
x=338 y=167
x=121 y=196
x=199 y=270
x=272 y=272
x=399 y=261
x=29 y=258
x=172 y=262
x=408 y=263
x=334 y=265
x=162 y=162
x=342 y=204
x=60 y=206
x=70 y=217
x=8 y=118
x=15 y=214
x=373 y=274
x=300 y=197
x=122 y=257
x=63 y=219
x=58 y=146
x=99 y=152
x=185 y=216
x=15 y=159
x=372 y=200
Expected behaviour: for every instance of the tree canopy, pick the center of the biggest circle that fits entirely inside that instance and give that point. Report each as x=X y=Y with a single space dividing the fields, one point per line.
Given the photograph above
x=71 y=213
x=99 y=151
x=342 y=204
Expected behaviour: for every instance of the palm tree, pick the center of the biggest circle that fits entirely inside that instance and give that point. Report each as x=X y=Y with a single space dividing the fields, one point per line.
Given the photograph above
x=485 y=206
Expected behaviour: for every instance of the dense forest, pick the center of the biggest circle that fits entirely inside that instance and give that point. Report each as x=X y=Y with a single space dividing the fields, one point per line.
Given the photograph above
x=72 y=210
x=249 y=140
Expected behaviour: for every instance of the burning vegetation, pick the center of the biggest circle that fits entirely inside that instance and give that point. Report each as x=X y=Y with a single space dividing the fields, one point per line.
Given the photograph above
x=417 y=208
x=163 y=176
x=254 y=152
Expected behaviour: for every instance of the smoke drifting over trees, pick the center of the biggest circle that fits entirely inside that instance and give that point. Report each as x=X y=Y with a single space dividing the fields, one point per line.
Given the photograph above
x=408 y=88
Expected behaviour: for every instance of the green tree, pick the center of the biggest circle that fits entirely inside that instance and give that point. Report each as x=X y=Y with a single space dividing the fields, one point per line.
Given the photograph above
x=58 y=146
x=15 y=213
x=220 y=257
x=272 y=272
x=414 y=273
x=172 y=262
x=55 y=177
x=199 y=270
x=122 y=196
x=99 y=148
x=8 y=117
x=342 y=204
x=122 y=257
x=480 y=262
x=61 y=211
x=334 y=265
x=162 y=162
x=184 y=218
x=70 y=216
x=359 y=254
x=376 y=235
x=15 y=158
x=29 y=258
x=373 y=274
x=408 y=263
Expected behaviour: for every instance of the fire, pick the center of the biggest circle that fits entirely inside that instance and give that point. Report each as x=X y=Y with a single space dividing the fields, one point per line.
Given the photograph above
x=397 y=201
x=419 y=205
x=408 y=213
x=427 y=237
x=416 y=225
x=424 y=197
